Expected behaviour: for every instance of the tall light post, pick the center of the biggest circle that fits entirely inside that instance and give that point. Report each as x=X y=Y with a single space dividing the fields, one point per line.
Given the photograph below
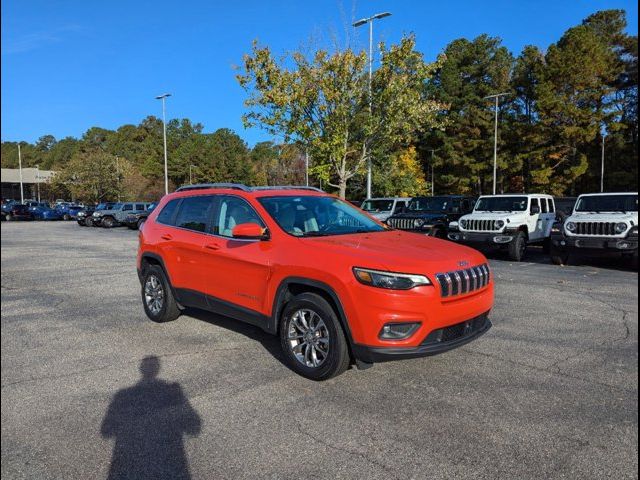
x=163 y=97
x=190 y=176
x=38 y=181
x=602 y=166
x=20 y=169
x=496 y=97
x=359 y=23
x=433 y=177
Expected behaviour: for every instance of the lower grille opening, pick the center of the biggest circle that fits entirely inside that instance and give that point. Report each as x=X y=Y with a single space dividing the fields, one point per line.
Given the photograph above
x=457 y=331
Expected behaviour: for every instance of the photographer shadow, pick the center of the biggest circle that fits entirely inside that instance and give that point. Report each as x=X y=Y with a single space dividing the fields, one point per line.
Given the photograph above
x=148 y=422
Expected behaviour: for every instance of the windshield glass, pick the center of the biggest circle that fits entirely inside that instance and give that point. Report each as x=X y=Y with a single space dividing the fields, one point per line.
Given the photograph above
x=502 y=204
x=317 y=216
x=608 y=203
x=377 y=205
x=429 y=204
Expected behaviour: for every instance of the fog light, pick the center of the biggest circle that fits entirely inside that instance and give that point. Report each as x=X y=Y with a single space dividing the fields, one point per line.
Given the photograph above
x=623 y=245
x=501 y=239
x=398 y=331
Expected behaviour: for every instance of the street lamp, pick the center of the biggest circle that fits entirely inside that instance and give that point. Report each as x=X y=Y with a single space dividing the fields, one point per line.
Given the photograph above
x=190 y=176
x=20 y=169
x=38 y=181
x=602 y=166
x=163 y=97
x=359 y=23
x=495 y=138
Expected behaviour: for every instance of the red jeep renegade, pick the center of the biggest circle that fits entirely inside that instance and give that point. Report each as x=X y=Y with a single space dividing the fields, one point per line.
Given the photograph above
x=336 y=285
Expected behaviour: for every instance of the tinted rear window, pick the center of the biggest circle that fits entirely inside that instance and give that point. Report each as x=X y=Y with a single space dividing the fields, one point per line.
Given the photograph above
x=194 y=213
x=167 y=213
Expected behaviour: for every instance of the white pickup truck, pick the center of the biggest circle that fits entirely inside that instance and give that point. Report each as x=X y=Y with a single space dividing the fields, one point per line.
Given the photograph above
x=601 y=223
x=508 y=221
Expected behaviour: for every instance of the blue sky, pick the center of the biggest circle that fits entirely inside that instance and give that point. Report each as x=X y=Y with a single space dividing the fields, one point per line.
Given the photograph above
x=70 y=65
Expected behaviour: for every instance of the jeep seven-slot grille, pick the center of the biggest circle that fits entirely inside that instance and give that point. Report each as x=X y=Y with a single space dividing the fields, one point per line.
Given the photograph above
x=401 y=223
x=463 y=281
x=596 y=228
x=481 y=226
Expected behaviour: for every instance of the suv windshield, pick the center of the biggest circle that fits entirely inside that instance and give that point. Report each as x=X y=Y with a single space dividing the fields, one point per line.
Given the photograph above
x=429 y=204
x=377 y=205
x=315 y=216
x=607 y=203
x=502 y=204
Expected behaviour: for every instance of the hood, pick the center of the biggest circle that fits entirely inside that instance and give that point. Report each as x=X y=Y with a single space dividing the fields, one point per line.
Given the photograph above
x=397 y=251
x=494 y=215
x=604 y=217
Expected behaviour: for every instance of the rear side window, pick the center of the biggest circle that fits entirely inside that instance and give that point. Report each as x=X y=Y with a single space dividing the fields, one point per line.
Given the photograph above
x=140 y=206
x=534 y=203
x=552 y=206
x=543 y=205
x=194 y=213
x=167 y=213
x=127 y=207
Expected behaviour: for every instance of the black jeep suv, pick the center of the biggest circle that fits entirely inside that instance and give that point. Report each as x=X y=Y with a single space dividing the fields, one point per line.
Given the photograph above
x=432 y=215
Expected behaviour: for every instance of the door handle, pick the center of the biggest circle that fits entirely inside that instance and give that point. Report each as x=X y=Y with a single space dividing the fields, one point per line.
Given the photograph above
x=212 y=246
x=166 y=236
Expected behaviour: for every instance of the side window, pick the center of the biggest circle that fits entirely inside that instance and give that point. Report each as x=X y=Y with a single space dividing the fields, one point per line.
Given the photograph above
x=534 y=203
x=140 y=206
x=127 y=207
x=400 y=204
x=543 y=205
x=195 y=212
x=552 y=205
x=167 y=213
x=467 y=206
x=234 y=211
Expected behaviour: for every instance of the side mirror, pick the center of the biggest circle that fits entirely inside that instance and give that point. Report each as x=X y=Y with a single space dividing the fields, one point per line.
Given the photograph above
x=535 y=210
x=248 y=231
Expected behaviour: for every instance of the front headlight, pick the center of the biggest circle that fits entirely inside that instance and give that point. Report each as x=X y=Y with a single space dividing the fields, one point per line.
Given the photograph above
x=463 y=223
x=418 y=223
x=621 y=227
x=389 y=280
x=571 y=226
x=499 y=224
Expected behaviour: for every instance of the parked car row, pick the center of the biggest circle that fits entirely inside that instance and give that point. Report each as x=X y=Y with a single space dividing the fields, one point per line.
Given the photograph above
x=592 y=224
x=115 y=214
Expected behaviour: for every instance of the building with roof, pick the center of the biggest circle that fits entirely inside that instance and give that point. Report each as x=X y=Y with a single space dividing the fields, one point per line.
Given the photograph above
x=31 y=178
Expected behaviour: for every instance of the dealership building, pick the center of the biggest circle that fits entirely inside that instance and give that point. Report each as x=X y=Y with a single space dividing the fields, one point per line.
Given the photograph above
x=31 y=179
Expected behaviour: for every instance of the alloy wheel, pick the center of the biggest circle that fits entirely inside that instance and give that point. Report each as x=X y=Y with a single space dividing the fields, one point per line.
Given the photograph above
x=154 y=294
x=308 y=338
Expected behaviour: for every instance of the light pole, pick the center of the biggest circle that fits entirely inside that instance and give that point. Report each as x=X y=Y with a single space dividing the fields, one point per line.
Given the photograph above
x=359 y=23
x=190 y=176
x=20 y=169
x=602 y=166
x=495 y=138
x=38 y=181
x=433 y=177
x=163 y=97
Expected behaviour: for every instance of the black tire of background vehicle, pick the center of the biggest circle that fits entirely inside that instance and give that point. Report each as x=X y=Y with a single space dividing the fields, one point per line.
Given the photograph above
x=108 y=222
x=634 y=260
x=546 y=246
x=439 y=232
x=518 y=247
x=338 y=357
x=66 y=217
x=170 y=310
x=140 y=223
x=8 y=217
x=89 y=222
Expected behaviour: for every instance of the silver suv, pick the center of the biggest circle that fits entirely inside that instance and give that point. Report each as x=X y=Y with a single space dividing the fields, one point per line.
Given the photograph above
x=115 y=215
x=383 y=208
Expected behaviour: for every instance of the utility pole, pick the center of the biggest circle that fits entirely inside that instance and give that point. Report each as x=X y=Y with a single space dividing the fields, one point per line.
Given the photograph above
x=602 y=166
x=163 y=97
x=359 y=23
x=496 y=97
x=20 y=168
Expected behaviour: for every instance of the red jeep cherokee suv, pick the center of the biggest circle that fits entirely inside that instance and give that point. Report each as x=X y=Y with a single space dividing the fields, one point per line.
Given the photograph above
x=336 y=285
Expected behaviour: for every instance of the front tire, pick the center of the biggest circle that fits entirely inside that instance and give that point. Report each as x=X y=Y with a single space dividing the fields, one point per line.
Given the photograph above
x=157 y=296
x=312 y=338
x=518 y=247
x=66 y=217
x=559 y=257
x=108 y=222
x=89 y=222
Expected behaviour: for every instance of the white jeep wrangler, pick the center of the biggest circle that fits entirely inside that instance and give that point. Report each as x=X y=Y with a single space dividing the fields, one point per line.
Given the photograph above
x=601 y=223
x=508 y=221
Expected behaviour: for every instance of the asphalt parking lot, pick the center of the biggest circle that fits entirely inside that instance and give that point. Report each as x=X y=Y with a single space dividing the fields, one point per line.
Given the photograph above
x=550 y=392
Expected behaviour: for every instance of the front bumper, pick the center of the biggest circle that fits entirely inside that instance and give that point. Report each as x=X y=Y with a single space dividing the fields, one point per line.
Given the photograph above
x=490 y=238
x=563 y=242
x=438 y=341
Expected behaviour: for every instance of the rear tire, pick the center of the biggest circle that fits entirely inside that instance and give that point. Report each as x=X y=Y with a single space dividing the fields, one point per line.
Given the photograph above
x=310 y=333
x=89 y=222
x=66 y=217
x=157 y=296
x=518 y=247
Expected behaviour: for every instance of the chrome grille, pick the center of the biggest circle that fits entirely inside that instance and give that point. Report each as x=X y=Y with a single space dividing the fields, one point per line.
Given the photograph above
x=401 y=223
x=464 y=281
x=481 y=226
x=595 y=228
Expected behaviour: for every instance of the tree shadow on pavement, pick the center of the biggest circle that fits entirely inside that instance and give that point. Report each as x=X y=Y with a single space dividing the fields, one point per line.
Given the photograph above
x=148 y=422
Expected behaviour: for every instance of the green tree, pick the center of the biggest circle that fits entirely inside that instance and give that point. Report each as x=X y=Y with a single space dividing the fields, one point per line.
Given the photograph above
x=322 y=103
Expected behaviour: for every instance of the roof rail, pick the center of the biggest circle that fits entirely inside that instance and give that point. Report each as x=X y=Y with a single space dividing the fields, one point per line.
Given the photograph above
x=201 y=186
x=288 y=187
